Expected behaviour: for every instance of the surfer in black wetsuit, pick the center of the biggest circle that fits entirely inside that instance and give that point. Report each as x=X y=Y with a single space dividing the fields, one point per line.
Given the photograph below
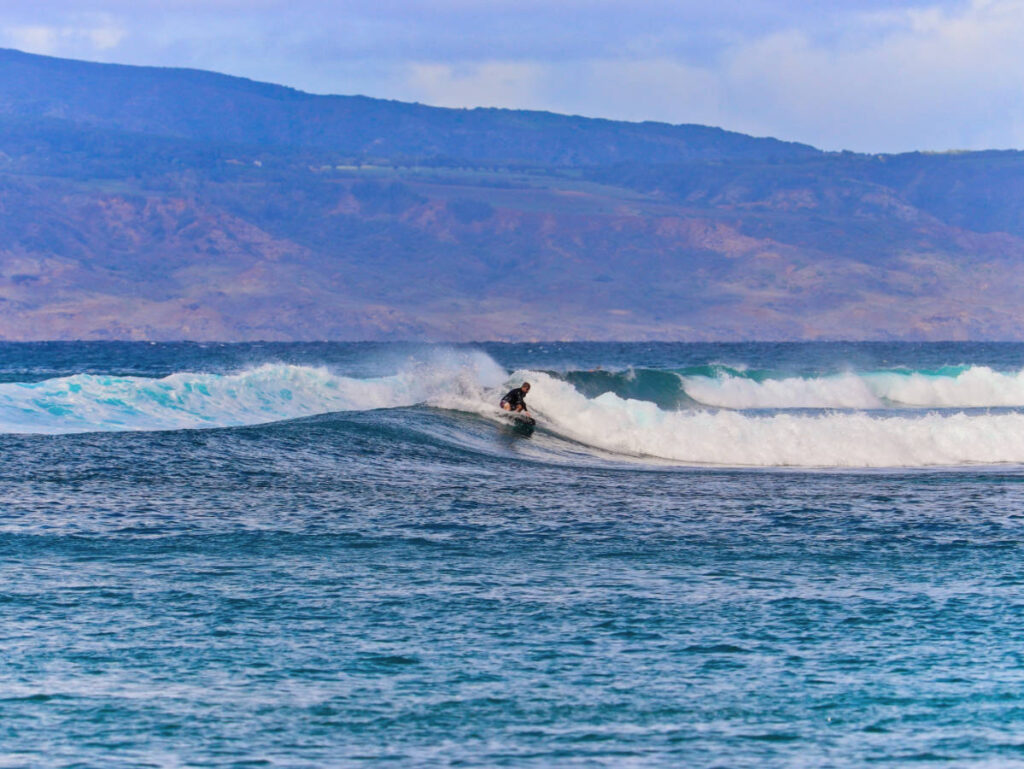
x=515 y=399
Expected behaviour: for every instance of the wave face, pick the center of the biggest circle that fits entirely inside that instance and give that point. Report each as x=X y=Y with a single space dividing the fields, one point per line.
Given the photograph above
x=706 y=414
x=267 y=393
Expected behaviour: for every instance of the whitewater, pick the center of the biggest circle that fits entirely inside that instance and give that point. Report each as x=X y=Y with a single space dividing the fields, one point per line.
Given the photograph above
x=956 y=414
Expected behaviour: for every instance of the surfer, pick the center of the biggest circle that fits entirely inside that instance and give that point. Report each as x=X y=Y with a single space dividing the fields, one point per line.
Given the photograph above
x=515 y=399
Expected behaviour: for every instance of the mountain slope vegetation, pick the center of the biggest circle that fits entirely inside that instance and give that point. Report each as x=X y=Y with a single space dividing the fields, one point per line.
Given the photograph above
x=145 y=203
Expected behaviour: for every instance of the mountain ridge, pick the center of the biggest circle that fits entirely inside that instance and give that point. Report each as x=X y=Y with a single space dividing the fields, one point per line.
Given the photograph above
x=95 y=94
x=262 y=224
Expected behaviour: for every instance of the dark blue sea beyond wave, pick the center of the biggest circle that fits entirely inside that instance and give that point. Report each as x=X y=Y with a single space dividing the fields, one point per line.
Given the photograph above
x=342 y=555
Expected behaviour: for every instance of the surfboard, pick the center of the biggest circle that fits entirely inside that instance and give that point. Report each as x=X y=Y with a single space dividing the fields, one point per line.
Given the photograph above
x=522 y=424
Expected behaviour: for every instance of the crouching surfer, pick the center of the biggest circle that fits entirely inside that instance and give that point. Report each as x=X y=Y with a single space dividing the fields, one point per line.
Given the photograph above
x=515 y=401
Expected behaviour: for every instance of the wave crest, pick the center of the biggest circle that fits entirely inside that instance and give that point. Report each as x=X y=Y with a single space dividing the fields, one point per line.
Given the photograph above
x=967 y=387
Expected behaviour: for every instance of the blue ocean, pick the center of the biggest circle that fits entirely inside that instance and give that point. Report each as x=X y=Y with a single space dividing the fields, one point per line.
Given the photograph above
x=346 y=555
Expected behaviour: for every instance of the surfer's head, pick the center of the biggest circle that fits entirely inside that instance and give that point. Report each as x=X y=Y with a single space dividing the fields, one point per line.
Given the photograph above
x=525 y=387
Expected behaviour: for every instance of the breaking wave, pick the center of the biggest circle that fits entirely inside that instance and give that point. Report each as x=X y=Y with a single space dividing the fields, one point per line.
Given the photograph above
x=703 y=416
x=732 y=388
x=268 y=393
x=829 y=439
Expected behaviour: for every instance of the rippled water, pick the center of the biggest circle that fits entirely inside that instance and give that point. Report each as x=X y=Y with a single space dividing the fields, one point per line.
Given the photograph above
x=420 y=585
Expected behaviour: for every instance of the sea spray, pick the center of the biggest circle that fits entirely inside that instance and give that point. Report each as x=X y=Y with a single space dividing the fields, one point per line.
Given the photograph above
x=266 y=393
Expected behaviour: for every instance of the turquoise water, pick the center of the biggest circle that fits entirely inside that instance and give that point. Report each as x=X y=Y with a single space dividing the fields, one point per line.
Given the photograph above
x=341 y=555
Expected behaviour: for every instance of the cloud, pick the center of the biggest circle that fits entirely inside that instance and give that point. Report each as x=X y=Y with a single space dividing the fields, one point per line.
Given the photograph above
x=640 y=89
x=489 y=84
x=934 y=78
x=929 y=78
x=86 y=34
x=878 y=75
x=34 y=39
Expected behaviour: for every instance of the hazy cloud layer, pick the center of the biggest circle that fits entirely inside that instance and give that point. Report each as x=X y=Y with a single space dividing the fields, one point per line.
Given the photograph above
x=870 y=75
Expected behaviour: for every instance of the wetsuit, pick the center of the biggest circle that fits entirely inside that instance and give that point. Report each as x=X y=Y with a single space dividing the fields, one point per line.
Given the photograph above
x=515 y=399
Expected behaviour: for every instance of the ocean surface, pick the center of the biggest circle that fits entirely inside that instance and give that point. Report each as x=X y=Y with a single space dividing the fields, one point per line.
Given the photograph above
x=344 y=555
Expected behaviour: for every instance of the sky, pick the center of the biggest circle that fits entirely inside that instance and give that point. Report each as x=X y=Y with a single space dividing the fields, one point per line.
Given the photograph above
x=867 y=76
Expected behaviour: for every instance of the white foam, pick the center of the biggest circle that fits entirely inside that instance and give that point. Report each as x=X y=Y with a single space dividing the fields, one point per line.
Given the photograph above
x=732 y=438
x=975 y=387
x=732 y=392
